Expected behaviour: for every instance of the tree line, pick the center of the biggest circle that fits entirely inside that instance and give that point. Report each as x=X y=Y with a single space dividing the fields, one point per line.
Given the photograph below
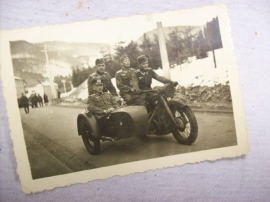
x=180 y=45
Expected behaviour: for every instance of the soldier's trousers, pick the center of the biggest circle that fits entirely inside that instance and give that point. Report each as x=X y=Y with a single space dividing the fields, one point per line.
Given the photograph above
x=26 y=108
x=128 y=98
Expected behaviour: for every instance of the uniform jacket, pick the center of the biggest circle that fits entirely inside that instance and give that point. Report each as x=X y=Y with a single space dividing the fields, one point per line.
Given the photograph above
x=142 y=79
x=123 y=79
x=40 y=99
x=33 y=98
x=45 y=98
x=24 y=100
x=97 y=103
x=107 y=83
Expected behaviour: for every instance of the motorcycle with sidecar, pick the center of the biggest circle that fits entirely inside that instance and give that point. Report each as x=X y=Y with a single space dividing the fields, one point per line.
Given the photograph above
x=164 y=113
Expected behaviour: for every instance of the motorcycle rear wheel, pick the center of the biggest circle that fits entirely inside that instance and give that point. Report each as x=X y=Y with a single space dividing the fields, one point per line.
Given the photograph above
x=92 y=144
x=187 y=131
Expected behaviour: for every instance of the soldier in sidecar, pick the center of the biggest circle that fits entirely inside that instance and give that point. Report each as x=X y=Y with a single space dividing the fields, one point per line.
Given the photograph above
x=104 y=120
x=159 y=114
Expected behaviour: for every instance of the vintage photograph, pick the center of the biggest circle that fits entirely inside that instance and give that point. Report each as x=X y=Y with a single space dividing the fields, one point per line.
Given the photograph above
x=103 y=98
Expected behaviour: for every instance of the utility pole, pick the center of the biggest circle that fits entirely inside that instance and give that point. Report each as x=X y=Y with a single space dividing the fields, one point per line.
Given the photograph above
x=163 y=51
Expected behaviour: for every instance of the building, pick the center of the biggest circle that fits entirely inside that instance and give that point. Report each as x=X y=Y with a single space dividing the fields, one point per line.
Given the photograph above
x=20 y=86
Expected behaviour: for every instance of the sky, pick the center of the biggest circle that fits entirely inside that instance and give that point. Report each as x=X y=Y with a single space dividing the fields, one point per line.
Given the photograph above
x=113 y=30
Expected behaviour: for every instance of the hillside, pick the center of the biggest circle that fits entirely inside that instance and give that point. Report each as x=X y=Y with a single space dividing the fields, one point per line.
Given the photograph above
x=30 y=57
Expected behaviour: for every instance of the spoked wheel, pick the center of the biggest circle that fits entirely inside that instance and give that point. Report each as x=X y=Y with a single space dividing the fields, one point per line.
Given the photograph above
x=92 y=144
x=187 y=127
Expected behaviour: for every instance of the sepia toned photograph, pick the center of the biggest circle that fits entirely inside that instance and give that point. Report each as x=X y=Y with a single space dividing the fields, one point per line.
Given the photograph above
x=91 y=100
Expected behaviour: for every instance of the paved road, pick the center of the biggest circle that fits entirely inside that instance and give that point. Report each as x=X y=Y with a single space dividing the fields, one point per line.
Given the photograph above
x=54 y=146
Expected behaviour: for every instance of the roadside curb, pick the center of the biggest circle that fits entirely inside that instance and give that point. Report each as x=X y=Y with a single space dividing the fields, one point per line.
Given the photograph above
x=193 y=109
x=212 y=110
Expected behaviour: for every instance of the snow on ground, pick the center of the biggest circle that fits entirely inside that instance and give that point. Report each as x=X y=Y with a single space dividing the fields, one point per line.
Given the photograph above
x=196 y=73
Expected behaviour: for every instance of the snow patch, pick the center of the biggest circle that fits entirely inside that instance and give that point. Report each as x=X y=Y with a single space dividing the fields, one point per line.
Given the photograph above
x=195 y=73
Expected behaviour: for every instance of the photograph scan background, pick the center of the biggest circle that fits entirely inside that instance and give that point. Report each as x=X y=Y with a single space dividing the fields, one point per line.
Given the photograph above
x=227 y=173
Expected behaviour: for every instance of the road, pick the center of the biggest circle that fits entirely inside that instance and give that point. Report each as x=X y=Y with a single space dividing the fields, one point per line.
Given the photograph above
x=54 y=147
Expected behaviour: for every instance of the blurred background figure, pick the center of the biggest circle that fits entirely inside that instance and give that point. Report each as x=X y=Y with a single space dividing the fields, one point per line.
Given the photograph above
x=40 y=100
x=45 y=98
x=25 y=103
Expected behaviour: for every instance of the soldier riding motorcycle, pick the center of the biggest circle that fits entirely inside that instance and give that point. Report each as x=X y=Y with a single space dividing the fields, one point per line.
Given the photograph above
x=161 y=114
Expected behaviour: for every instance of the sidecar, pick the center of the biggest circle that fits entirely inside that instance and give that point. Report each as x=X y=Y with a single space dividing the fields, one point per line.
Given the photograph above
x=122 y=123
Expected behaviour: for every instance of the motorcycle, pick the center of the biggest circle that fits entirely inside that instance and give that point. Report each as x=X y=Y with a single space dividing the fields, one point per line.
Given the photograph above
x=163 y=114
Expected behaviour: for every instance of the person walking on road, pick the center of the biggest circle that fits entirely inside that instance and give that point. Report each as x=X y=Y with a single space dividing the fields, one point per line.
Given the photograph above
x=35 y=100
x=45 y=97
x=40 y=100
x=25 y=103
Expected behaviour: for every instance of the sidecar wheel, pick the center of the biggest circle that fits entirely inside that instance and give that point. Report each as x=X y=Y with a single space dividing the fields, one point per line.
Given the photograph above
x=187 y=131
x=92 y=144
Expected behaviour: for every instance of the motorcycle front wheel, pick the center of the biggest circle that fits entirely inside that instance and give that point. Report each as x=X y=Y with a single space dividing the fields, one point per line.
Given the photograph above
x=92 y=144
x=187 y=129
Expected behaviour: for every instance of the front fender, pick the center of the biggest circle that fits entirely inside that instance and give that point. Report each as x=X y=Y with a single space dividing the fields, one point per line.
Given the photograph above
x=91 y=122
x=179 y=101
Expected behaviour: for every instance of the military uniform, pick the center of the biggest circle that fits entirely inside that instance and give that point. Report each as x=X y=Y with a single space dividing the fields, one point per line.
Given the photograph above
x=123 y=78
x=142 y=79
x=106 y=80
x=99 y=102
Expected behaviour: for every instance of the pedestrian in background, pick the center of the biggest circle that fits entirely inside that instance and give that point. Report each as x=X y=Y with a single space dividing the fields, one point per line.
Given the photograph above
x=25 y=103
x=45 y=97
x=40 y=100
x=35 y=100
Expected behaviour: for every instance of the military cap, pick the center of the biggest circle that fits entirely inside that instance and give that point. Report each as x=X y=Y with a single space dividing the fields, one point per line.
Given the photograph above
x=142 y=59
x=97 y=81
x=123 y=57
x=99 y=61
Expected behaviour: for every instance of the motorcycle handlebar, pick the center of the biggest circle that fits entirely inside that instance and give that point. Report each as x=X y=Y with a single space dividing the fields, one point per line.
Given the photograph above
x=156 y=91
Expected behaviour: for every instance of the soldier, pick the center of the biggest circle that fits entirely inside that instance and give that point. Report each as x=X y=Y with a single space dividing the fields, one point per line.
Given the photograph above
x=142 y=78
x=101 y=103
x=103 y=76
x=123 y=78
